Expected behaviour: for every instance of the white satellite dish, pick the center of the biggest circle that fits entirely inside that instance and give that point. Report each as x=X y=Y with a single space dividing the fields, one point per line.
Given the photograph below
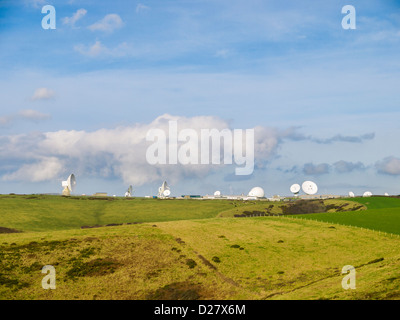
x=367 y=194
x=164 y=187
x=69 y=185
x=295 y=188
x=351 y=194
x=386 y=194
x=217 y=193
x=257 y=192
x=309 y=187
x=166 y=193
x=128 y=193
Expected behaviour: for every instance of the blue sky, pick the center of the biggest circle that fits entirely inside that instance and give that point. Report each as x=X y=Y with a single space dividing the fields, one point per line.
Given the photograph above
x=81 y=98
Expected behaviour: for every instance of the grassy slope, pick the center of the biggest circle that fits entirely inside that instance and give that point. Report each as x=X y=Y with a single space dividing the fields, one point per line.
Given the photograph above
x=274 y=208
x=210 y=258
x=42 y=213
x=280 y=258
x=383 y=214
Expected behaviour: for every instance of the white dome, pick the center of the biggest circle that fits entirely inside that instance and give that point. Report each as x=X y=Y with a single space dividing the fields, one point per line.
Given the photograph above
x=257 y=192
x=217 y=193
x=367 y=194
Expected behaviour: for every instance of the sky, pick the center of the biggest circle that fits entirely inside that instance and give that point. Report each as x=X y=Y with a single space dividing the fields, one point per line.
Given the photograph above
x=323 y=100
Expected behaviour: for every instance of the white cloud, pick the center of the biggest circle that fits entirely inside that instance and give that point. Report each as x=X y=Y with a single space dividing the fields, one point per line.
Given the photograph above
x=43 y=170
x=42 y=94
x=222 y=53
x=108 y=24
x=26 y=114
x=98 y=49
x=30 y=114
x=114 y=153
x=35 y=3
x=141 y=7
x=5 y=120
x=389 y=165
x=92 y=51
x=80 y=13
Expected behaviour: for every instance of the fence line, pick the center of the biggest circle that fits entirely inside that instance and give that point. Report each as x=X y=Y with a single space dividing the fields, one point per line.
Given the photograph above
x=292 y=217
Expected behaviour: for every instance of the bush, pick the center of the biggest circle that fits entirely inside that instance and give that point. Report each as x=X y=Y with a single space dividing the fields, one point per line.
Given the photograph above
x=191 y=263
x=304 y=206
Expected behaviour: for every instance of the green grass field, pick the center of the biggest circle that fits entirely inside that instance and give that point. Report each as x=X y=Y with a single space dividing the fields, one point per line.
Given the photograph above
x=195 y=249
x=44 y=213
x=383 y=215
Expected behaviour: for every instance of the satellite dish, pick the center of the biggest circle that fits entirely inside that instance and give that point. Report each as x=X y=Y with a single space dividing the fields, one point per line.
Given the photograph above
x=386 y=194
x=257 y=192
x=71 y=182
x=128 y=193
x=351 y=194
x=166 y=193
x=367 y=194
x=217 y=193
x=309 y=187
x=69 y=185
x=164 y=187
x=295 y=188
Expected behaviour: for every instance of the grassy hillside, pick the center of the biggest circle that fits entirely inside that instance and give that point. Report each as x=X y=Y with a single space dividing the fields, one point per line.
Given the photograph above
x=378 y=202
x=196 y=249
x=250 y=258
x=272 y=208
x=42 y=213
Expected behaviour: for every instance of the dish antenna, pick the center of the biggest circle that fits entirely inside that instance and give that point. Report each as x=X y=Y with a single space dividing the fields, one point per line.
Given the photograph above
x=69 y=185
x=161 y=190
x=386 y=194
x=217 y=193
x=166 y=193
x=351 y=194
x=295 y=189
x=367 y=194
x=128 y=192
x=257 y=192
x=309 y=187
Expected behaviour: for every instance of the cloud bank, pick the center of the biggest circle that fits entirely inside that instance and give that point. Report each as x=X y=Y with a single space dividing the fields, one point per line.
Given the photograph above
x=293 y=134
x=389 y=165
x=113 y=153
x=120 y=153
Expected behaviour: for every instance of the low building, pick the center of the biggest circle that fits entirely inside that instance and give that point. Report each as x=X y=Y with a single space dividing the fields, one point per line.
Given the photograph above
x=100 y=194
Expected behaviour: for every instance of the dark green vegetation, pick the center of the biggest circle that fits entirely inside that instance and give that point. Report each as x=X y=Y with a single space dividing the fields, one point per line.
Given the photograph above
x=267 y=208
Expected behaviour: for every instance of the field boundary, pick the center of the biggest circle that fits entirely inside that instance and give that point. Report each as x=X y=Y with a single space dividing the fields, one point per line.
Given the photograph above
x=294 y=217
